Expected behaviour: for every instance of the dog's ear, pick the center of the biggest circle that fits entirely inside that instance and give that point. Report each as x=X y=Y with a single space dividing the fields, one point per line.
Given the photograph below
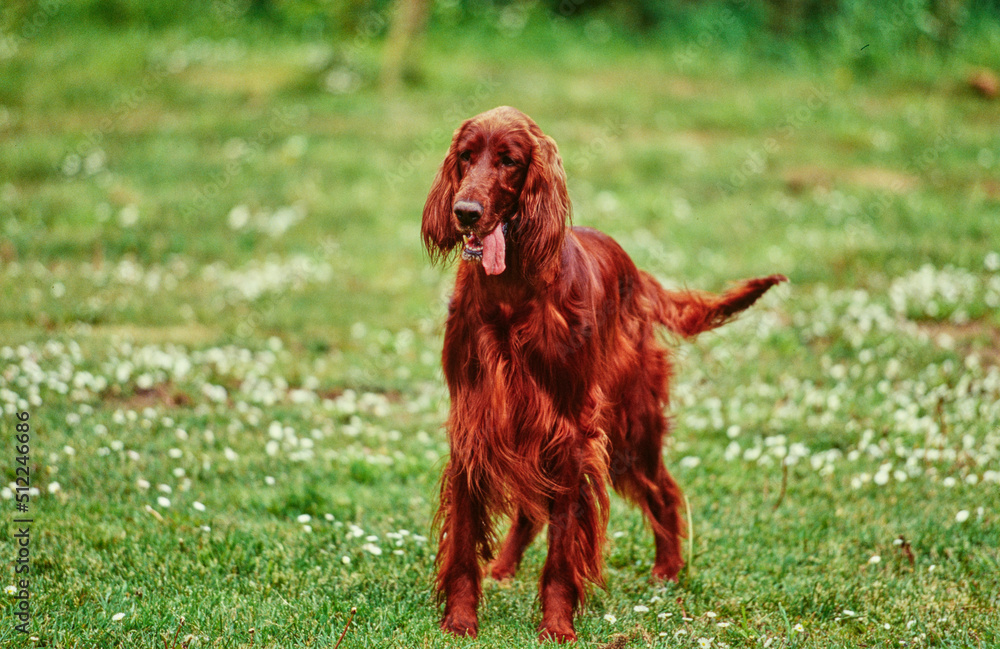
x=544 y=206
x=437 y=228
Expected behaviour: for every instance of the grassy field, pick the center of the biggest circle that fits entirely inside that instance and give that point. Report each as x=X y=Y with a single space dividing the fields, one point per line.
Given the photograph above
x=216 y=311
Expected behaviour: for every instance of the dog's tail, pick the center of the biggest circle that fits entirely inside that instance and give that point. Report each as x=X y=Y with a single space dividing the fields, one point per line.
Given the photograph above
x=688 y=313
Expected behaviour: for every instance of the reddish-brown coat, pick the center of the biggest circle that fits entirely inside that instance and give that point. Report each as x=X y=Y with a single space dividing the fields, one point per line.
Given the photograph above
x=558 y=382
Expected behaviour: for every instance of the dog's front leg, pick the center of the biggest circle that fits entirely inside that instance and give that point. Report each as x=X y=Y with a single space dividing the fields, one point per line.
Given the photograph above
x=463 y=543
x=560 y=590
x=578 y=518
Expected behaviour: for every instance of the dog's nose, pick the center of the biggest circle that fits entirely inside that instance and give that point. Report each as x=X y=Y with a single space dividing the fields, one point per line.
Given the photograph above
x=468 y=212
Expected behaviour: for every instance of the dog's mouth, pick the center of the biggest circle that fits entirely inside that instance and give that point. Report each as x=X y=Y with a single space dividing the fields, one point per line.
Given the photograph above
x=473 y=250
x=490 y=251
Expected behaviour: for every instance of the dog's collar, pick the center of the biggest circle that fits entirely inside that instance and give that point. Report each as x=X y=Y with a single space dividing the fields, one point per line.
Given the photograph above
x=510 y=227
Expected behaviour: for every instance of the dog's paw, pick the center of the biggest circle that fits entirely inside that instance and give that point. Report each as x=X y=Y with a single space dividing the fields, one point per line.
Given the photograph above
x=501 y=572
x=667 y=571
x=460 y=625
x=561 y=633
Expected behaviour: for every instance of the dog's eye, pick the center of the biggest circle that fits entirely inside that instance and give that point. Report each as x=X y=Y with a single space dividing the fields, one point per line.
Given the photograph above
x=507 y=161
x=465 y=156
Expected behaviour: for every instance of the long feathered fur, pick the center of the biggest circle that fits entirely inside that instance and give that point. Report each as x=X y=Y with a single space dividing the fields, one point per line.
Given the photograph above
x=557 y=379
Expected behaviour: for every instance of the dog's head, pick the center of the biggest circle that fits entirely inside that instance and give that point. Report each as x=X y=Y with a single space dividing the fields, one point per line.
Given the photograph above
x=500 y=193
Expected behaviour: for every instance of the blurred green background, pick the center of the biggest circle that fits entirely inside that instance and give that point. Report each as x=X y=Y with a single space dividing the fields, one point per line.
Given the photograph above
x=215 y=307
x=145 y=131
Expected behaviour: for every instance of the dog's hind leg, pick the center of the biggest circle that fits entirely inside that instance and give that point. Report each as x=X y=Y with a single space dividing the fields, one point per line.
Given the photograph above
x=522 y=532
x=637 y=469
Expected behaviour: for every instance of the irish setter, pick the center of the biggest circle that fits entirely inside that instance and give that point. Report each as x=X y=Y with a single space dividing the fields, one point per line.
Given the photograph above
x=558 y=382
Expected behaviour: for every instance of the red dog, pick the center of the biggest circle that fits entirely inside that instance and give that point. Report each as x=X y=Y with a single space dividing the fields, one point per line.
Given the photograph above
x=558 y=384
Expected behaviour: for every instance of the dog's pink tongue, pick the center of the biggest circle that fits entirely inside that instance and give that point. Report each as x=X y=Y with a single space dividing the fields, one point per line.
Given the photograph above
x=494 y=252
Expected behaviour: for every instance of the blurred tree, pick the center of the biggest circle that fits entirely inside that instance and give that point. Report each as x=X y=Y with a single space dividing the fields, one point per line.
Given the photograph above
x=400 y=60
x=908 y=24
x=949 y=15
x=261 y=8
x=14 y=11
x=793 y=17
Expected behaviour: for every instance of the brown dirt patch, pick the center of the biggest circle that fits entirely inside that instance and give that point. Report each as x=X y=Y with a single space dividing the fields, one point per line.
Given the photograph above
x=991 y=188
x=807 y=177
x=392 y=396
x=163 y=395
x=187 y=334
x=977 y=337
x=256 y=80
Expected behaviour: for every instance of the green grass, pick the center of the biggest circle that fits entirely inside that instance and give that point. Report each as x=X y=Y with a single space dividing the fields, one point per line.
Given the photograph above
x=288 y=366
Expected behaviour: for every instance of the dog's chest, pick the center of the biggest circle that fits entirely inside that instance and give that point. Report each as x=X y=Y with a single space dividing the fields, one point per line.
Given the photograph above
x=539 y=353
